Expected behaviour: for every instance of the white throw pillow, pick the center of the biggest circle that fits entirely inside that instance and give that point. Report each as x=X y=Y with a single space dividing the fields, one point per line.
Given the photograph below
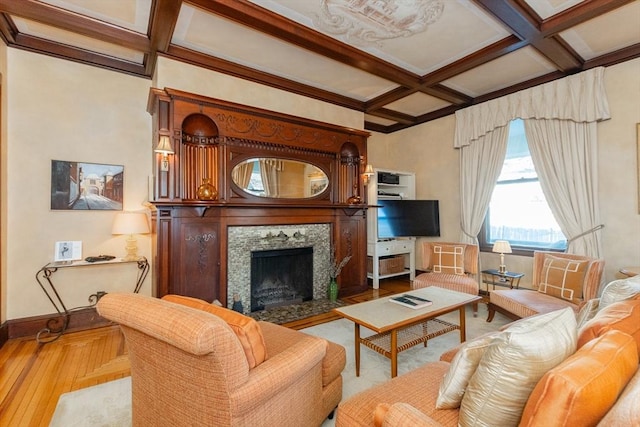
x=462 y=368
x=513 y=364
x=619 y=290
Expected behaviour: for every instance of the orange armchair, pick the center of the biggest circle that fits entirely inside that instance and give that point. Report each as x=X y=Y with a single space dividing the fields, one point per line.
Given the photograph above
x=452 y=266
x=192 y=367
x=559 y=280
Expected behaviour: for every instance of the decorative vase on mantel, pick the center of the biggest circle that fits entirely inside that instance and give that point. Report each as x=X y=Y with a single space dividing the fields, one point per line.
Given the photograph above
x=332 y=290
x=207 y=191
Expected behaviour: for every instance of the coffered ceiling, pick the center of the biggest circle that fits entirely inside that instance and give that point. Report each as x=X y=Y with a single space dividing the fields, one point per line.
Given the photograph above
x=401 y=62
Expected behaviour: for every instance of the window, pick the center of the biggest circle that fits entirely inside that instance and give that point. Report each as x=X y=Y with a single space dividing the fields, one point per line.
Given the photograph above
x=518 y=211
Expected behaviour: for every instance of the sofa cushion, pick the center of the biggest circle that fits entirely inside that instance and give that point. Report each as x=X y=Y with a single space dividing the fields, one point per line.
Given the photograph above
x=619 y=290
x=525 y=303
x=626 y=411
x=563 y=278
x=513 y=364
x=623 y=316
x=447 y=258
x=246 y=329
x=582 y=389
x=462 y=368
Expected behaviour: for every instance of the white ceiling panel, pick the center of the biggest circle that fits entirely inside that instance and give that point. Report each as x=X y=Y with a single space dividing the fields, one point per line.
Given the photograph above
x=417 y=104
x=620 y=28
x=73 y=39
x=208 y=33
x=508 y=70
x=130 y=14
x=548 y=8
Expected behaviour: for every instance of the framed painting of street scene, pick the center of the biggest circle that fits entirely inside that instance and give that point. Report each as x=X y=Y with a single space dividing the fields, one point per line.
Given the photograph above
x=86 y=186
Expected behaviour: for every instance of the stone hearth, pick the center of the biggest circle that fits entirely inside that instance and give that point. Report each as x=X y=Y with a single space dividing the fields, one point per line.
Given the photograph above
x=243 y=240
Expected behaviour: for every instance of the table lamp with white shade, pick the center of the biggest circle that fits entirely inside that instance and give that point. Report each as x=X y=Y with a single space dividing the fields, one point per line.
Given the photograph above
x=502 y=247
x=131 y=223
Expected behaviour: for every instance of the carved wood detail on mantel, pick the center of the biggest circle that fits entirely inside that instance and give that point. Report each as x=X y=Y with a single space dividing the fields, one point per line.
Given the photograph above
x=187 y=263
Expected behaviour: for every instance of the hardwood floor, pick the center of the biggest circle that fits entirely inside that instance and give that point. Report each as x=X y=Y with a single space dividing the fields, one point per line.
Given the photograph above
x=35 y=375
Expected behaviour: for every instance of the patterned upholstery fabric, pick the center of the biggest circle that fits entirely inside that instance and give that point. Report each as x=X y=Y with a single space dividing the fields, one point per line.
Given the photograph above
x=525 y=303
x=189 y=368
x=446 y=258
x=246 y=329
x=419 y=389
x=563 y=278
x=517 y=303
x=465 y=283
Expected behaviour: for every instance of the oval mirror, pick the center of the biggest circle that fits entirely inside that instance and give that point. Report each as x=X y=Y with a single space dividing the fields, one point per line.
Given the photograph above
x=279 y=178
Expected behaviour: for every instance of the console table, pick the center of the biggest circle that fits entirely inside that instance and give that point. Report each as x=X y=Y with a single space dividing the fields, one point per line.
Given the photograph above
x=57 y=325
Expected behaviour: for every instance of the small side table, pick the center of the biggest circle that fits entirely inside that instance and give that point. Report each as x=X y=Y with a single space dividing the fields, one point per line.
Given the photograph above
x=508 y=279
x=57 y=325
x=627 y=272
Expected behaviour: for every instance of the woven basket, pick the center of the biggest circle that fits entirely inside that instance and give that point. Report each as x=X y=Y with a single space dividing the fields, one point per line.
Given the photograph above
x=388 y=265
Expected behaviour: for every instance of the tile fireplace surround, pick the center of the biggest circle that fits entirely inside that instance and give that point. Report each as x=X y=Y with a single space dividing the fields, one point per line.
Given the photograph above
x=242 y=240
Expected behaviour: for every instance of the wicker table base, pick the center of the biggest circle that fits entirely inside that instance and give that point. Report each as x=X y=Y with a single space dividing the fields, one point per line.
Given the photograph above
x=409 y=336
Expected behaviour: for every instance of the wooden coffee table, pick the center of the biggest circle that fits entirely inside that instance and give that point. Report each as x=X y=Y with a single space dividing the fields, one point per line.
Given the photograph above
x=398 y=328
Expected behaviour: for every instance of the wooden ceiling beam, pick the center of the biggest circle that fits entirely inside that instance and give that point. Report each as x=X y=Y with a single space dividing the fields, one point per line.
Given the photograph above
x=164 y=16
x=230 y=68
x=35 y=44
x=69 y=21
x=521 y=22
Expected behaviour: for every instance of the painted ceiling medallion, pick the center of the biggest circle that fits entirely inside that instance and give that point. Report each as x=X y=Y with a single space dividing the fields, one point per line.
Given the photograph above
x=369 y=22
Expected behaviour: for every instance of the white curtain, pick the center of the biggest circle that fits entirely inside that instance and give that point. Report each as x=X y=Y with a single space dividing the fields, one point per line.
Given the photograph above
x=480 y=166
x=269 y=172
x=580 y=98
x=565 y=154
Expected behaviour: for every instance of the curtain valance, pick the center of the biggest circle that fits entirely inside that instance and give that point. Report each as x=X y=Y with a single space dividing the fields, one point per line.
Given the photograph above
x=580 y=98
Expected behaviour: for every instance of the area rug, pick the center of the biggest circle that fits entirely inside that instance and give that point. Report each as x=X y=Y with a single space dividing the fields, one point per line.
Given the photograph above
x=109 y=404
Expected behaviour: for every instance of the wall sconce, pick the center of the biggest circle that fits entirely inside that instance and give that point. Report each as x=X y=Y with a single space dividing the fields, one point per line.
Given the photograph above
x=131 y=223
x=368 y=173
x=502 y=247
x=164 y=148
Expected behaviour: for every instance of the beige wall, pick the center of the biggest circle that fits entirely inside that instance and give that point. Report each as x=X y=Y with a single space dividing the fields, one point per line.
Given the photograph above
x=60 y=110
x=78 y=113
x=428 y=151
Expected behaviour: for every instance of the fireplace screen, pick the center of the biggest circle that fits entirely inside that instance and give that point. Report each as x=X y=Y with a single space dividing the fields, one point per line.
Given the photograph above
x=281 y=277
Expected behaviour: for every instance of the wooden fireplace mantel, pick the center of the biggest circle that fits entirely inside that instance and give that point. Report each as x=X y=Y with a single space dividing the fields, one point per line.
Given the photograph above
x=210 y=137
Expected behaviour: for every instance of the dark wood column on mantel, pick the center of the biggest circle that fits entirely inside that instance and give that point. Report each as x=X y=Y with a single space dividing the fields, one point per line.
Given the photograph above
x=209 y=138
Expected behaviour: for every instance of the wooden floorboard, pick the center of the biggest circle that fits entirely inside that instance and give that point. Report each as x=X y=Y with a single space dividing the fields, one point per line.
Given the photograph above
x=35 y=375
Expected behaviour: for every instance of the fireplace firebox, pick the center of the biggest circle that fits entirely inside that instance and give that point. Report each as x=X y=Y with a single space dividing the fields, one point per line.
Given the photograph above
x=281 y=277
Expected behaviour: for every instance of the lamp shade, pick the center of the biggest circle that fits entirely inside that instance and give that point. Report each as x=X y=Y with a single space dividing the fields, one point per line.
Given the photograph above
x=164 y=146
x=368 y=171
x=501 y=247
x=130 y=223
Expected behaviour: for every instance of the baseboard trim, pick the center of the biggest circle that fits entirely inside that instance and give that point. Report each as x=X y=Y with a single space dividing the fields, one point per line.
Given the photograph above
x=80 y=320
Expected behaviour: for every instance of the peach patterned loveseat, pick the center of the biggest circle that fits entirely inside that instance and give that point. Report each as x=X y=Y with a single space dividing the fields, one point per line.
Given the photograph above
x=547 y=370
x=194 y=363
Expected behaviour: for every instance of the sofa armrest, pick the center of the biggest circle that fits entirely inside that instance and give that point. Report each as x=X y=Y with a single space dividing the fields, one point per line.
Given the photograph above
x=401 y=414
x=279 y=372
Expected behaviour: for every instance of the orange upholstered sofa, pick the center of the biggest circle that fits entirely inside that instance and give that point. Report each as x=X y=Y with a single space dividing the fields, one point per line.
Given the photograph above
x=194 y=363
x=595 y=382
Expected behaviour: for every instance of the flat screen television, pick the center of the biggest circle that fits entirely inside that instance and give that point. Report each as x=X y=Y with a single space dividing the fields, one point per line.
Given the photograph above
x=408 y=218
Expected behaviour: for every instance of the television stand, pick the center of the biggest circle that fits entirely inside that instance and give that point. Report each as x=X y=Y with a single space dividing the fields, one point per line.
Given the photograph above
x=384 y=252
